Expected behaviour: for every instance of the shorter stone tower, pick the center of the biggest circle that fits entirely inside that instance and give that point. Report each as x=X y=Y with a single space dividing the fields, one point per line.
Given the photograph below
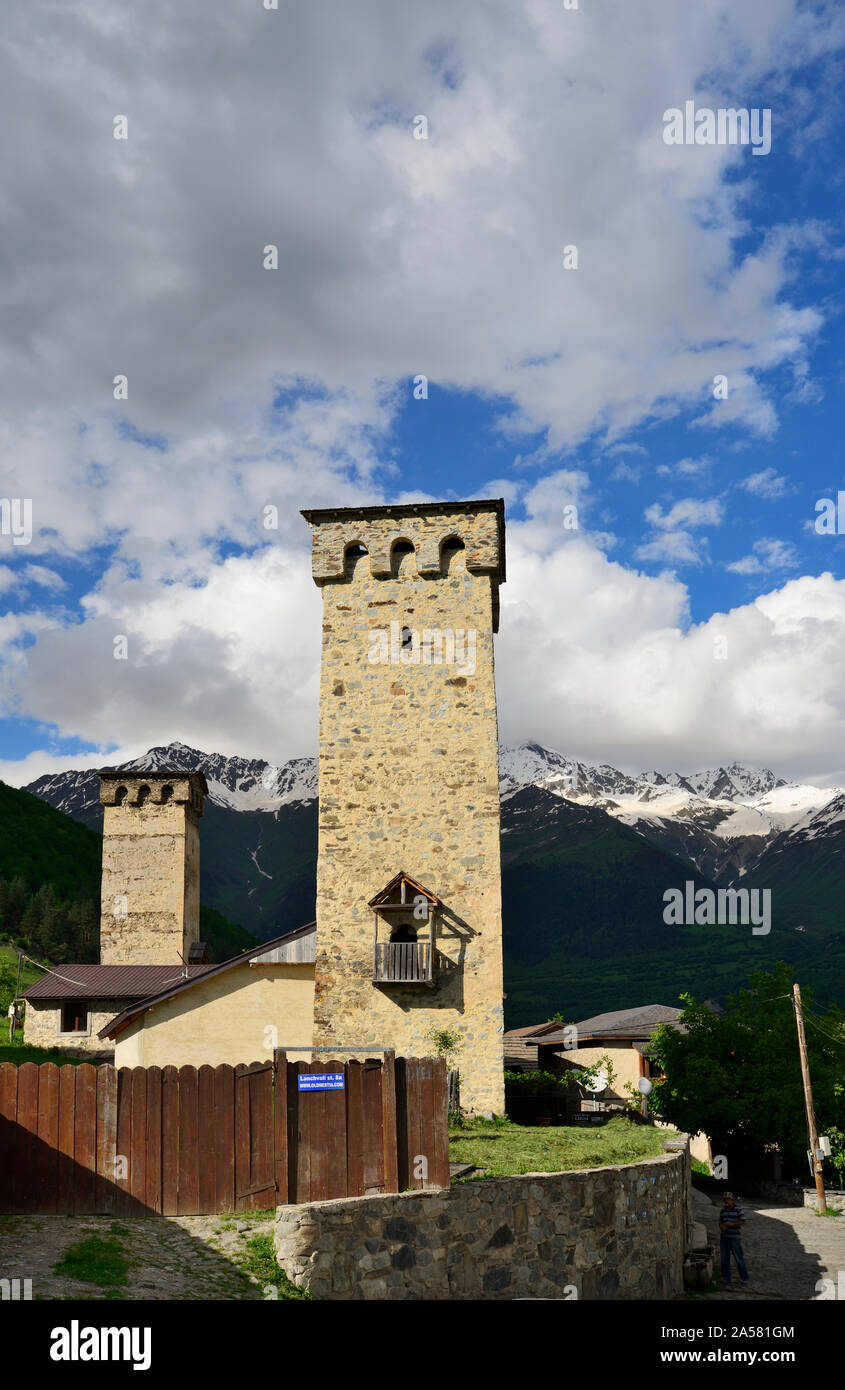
x=150 y=904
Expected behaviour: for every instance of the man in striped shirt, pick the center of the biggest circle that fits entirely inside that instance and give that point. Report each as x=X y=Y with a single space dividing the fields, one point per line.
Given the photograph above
x=731 y=1222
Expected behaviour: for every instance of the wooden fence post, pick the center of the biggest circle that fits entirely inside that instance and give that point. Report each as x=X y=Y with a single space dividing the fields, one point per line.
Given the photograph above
x=390 y=1133
x=280 y=1124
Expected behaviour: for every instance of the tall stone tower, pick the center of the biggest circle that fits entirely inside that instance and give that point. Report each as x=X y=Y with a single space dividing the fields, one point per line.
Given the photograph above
x=409 y=930
x=150 y=907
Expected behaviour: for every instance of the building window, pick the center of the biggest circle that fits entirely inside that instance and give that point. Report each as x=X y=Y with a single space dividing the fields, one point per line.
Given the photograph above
x=74 y=1017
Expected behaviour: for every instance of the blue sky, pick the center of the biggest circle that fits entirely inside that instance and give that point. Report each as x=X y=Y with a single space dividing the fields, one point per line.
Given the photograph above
x=694 y=617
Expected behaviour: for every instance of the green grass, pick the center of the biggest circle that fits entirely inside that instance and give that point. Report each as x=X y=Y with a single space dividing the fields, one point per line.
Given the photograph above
x=501 y=1149
x=29 y=973
x=259 y=1260
x=24 y=1052
x=96 y=1261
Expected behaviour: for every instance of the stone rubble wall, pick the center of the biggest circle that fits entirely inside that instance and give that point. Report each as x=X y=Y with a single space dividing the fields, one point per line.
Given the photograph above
x=601 y=1233
x=43 y=1021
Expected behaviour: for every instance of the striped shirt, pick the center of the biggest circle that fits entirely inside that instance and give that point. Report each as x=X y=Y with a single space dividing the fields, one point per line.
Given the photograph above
x=732 y=1218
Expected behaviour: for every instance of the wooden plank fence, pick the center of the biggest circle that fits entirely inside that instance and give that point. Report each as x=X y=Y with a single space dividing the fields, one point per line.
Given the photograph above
x=189 y=1141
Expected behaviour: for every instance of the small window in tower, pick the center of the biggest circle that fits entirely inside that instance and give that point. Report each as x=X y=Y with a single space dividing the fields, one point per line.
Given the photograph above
x=143 y=795
x=351 y=556
x=74 y=1017
x=407 y=639
x=449 y=549
x=166 y=794
x=120 y=795
x=397 y=555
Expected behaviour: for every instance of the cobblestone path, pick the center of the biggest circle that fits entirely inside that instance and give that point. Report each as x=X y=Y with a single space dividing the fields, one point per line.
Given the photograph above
x=184 y=1257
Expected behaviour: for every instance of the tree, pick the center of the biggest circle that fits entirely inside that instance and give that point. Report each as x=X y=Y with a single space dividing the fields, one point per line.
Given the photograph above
x=737 y=1076
x=447 y=1043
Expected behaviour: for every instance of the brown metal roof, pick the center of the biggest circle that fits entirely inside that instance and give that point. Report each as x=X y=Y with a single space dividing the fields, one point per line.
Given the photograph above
x=532 y=1028
x=625 y=1024
x=109 y=981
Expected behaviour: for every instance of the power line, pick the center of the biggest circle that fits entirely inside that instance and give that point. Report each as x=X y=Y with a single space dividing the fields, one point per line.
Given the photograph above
x=837 y=1042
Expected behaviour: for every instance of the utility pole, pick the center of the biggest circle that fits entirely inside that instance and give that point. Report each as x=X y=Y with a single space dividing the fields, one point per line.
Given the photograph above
x=808 y=1099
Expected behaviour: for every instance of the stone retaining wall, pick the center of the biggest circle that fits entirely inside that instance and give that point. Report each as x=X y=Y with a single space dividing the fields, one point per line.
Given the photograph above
x=600 y=1233
x=835 y=1200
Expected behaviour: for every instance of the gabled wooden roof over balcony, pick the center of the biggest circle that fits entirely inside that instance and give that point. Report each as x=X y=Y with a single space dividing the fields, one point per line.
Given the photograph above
x=395 y=893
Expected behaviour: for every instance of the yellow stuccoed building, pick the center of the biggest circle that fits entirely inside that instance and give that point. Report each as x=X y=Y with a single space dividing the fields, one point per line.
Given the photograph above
x=409 y=928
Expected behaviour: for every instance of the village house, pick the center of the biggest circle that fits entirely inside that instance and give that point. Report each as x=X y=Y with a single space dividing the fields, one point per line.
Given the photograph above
x=238 y=1011
x=623 y=1035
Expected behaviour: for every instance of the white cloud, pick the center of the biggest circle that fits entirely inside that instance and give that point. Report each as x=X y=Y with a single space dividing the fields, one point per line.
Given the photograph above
x=625 y=473
x=617 y=449
x=592 y=657
x=689 y=511
x=397 y=256
x=688 y=467
x=768 y=555
x=673 y=548
x=768 y=484
x=249 y=128
x=604 y=663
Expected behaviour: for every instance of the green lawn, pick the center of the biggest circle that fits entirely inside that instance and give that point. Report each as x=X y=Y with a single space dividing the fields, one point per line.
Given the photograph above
x=498 y=1149
x=19 y=1052
x=9 y=957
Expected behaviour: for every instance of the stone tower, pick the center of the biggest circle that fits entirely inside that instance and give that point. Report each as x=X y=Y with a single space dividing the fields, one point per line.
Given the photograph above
x=409 y=931
x=150 y=907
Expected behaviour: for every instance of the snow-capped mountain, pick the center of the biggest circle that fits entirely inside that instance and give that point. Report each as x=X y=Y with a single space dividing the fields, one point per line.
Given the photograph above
x=241 y=784
x=722 y=819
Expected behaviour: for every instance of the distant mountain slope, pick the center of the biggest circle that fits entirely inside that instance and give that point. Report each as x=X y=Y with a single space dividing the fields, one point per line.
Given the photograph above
x=583 y=921
x=41 y=845
x=805 y=870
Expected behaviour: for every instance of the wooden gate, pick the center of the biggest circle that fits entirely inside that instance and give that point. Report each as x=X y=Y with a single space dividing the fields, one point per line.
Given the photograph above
x=189 y=1141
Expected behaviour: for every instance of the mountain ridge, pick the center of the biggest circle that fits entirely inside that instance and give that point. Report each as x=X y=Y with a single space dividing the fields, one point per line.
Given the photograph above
x=588 y=853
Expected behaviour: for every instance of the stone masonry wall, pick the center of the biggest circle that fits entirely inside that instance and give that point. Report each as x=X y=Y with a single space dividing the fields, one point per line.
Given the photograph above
x=602 y=1233
x=409 y=781
x=43 y=1021
x=150 y=883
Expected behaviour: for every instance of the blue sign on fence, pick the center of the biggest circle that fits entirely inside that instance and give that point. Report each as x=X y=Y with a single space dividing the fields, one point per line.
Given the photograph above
x=320 y=1081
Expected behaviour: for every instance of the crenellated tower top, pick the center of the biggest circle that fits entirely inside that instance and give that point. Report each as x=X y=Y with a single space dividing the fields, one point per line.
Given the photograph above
x=429 y=527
